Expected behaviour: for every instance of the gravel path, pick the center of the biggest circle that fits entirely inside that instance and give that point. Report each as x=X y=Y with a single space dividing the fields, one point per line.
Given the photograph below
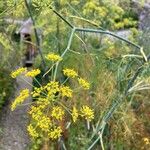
x=13 y=135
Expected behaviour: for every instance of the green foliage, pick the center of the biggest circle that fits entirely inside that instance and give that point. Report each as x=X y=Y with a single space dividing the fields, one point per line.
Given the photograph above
x=36 y=144
x=6 y=87
x=105 y=62
x=9 y=56
x=78 y=141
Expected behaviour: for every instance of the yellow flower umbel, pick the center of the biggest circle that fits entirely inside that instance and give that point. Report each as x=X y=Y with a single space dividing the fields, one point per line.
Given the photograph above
x=44 y=123
x=70 y=73
x=87 y=112
x=57 y=113
x=55 y=133
x=20 y=99
x=51 y=88
x=53 y=57
x=32 y=131
x=33 y=73
x=36 y=112
x=17 y=72
x=43 y=102
x=37 y=91
x=84 y=83
x=66 y=91
x=74 y=114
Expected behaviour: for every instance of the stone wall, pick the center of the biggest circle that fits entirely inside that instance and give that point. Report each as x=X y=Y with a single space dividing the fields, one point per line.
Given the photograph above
x=143 y=11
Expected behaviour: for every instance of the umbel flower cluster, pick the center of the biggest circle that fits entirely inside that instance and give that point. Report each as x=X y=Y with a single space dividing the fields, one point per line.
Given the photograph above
x=49 y=107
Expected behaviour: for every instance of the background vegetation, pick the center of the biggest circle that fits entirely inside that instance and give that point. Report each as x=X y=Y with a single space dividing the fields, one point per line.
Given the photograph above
x=108 y=64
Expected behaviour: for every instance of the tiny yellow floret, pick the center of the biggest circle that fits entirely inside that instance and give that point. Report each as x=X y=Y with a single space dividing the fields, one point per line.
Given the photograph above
x=74 y=114
x=44 y=123
x=20 y=99
x=53 y=57
x=33 y=73
x=84 y=83
x=70 y=73
x=52 y=87
x=17 y=72
x=32 y=132
x=57 y=113
x=55 y=133
x=87 y=112
x=36 y=112
x=146 y=141
x=66 y=91
x=37 y=91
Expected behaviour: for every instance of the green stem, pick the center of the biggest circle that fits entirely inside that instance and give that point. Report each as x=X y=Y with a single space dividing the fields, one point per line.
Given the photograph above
x=27 y=82
x=60 y=16
x=37 y=81
x=64 y=107
x=101 y=30
x=65 y=51
x=27 y=104
x=93 y=144
x=108 y=33
x=99 y=137
x=65 y=81
x=69 y=42
x=121 y=98
x=88 y=21
x=48 y=70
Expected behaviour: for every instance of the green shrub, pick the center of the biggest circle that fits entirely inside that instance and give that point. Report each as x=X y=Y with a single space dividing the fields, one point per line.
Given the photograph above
x=6 y=88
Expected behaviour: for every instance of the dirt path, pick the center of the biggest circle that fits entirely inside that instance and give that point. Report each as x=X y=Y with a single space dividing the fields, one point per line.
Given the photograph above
x=13 y=135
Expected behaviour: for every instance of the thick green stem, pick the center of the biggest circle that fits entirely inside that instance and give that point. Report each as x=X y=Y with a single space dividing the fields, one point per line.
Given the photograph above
x=108 y=33
x=61 y=17
x=65 y=51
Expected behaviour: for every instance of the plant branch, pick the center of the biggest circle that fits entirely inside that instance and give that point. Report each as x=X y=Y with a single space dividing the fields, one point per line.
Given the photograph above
x=108 y=33
x=119 y=102
x=36 y=33
x=65 y=51
x=101 y=30
x=61 y=17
